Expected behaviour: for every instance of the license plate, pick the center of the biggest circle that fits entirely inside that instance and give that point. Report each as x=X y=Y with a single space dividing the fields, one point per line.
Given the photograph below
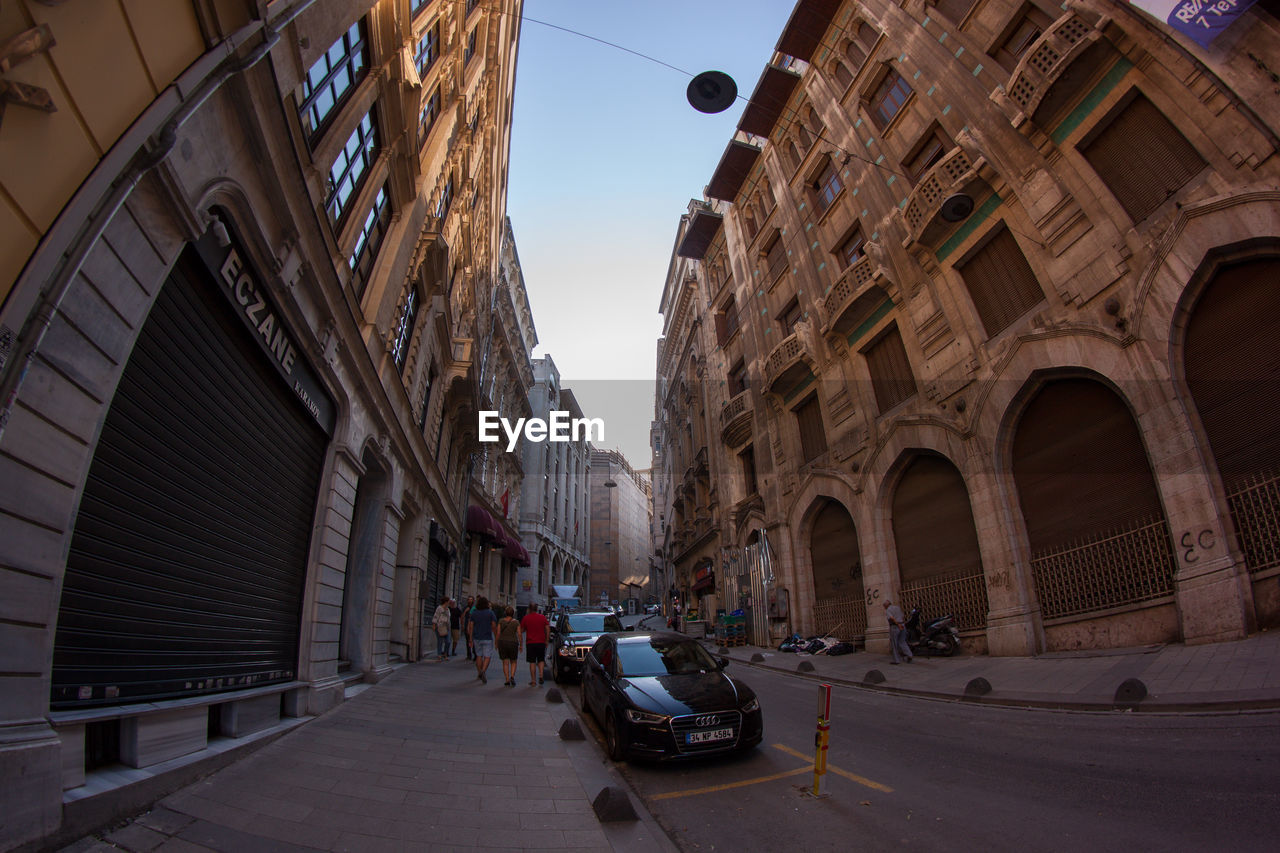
x=710 y=734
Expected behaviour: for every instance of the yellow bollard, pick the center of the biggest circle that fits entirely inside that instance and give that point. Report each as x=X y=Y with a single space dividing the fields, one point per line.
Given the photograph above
x=823 y=736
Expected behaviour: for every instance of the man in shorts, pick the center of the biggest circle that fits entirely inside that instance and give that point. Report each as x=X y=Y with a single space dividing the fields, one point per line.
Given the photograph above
x=480 y=633
x=533 y=630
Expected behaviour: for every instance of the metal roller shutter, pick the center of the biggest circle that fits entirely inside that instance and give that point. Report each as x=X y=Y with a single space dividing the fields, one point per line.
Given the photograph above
x=187 y=564
x=933 y=521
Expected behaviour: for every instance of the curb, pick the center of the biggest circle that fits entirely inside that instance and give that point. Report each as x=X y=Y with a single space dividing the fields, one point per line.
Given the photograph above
x=1173 y=704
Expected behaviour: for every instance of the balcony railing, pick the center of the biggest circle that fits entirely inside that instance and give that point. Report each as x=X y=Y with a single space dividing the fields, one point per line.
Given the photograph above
x=1047 y=58
x=853 y=297
x=954 y=173
x=788 y=363
x=735 y=419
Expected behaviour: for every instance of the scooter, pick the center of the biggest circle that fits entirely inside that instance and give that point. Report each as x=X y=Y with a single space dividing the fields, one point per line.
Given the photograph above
x=937 y=637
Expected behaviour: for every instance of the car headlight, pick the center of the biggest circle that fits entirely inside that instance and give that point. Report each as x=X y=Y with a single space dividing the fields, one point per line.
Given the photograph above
x=564 y=651
x=751 y=707
x=647 y=718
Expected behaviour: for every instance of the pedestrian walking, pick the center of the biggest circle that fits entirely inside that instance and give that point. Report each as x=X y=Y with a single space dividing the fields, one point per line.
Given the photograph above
x=533 y=630
x=509 y=645
x=455 y=627
x=897 y=633
x=480 y=633
x=440 y=622
x=466 y=626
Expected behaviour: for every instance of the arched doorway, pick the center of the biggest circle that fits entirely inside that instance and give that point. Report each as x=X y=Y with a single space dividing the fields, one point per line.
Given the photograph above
x=1233 y=373
x=939 y=563
x=838 y=605
x=364 y=559
x=1094 y=521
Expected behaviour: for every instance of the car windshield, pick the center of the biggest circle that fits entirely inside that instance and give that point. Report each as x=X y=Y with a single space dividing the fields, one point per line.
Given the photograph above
x=584 y=623
x=663 y=657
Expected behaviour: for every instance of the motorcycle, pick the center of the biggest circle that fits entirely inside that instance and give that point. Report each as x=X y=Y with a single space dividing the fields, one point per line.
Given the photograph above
x=936 y=637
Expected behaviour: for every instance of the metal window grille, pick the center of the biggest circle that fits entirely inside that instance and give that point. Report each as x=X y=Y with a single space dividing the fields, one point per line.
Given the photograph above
x=843 y=616
x=1124 y=566
x=1255 y=511
x=960 y=594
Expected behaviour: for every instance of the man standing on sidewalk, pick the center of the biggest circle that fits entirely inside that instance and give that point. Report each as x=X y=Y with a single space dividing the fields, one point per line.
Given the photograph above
x=480 y=635
x=897 y=633
x=533 y=629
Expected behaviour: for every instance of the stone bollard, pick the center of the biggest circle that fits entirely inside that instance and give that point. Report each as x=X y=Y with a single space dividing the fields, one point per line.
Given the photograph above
x=757 y=658
x=977 y=687
x=554 y=696
x=571 y=730
x=804 y=666
x=613 y=804
x=873 y=676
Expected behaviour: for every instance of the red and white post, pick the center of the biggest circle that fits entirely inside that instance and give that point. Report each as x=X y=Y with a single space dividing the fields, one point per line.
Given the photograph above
x=824 y=734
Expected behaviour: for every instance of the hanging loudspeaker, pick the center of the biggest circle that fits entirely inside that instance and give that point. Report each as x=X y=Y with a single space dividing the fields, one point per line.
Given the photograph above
x=957 y=207
x=711 y=92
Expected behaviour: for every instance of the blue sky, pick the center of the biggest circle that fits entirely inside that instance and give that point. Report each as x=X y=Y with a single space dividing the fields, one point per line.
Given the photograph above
x=606 y=154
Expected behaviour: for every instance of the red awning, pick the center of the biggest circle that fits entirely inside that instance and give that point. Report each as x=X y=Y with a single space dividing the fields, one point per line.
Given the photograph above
x=698 y=236
x=768 y=100
x=479 y=521
x=703 y=584
x=808 y=23
x=732 y=172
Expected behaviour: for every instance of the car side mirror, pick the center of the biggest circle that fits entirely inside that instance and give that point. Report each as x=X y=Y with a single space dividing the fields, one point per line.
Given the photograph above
x=629 y=628
x=723 y=662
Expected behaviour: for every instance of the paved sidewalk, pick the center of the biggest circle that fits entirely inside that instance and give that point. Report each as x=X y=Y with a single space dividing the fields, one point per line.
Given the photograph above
x=1214 y=677
x=428 y=759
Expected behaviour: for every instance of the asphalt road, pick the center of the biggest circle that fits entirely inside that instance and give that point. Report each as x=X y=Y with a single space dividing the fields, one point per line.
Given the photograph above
x=950 y=776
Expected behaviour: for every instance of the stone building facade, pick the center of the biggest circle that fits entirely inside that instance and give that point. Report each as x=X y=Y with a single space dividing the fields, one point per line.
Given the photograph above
x=249 y=256
x=973 y=315
x=554 y=522
x=621 y=502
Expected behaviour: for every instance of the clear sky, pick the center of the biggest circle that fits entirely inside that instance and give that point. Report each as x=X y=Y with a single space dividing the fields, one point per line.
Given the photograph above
x=606 y=154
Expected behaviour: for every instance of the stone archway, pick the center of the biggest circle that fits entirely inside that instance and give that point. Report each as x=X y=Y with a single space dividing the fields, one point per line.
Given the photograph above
x=836 y=560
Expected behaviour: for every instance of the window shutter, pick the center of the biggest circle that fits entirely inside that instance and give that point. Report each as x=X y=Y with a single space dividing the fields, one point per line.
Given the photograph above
x=1142 y=158
x=891 y=375
x=813 y=438
x=1000 y=282
x=722 y=328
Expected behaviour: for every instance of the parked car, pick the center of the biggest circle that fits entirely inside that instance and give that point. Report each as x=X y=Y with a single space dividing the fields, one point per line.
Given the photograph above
x=661 y=695
x=652 y=608
x=572 y=634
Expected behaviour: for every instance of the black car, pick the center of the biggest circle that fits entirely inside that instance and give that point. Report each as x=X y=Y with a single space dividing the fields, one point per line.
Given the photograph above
x=661 y=695
x=572 y=635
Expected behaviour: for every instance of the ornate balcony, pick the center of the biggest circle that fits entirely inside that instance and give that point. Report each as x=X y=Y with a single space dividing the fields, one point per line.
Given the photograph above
x=930 y=209
x=1047 y=60
x=735 y=419
x=855 y=296
x=789 y=362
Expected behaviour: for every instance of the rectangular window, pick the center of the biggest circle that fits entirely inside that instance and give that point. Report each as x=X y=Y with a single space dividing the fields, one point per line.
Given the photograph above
x=1027 y=26
x=470 y=49
x=428 y=49
x=813 y=436
x=1000 y=282
x=790 y=316
x=953 y=10
x=850 y=251
x=351 y=167
x=738 y=378
x=826 y=187
x=427 y=119
x=775 y=260
x=748 y=457
x=891 y=376
x=726 y=321
x=928 y=151
x=418 y=6
x=332 y=79
x=472 y=5
x=404 y=329
x=426 y=399
x=1142 y=158
x=372 y=233
x=889 y=98
x=446 y=200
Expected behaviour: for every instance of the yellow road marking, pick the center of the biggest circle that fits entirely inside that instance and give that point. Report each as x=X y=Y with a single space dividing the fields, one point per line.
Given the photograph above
x=726 y=787
x=853 y=777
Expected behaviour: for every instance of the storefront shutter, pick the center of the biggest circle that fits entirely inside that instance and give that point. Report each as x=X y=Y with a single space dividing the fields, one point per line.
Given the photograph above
x=189 y=555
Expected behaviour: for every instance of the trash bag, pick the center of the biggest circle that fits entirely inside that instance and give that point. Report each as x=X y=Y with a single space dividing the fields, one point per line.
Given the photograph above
x=739 y=612
x=841 y=648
